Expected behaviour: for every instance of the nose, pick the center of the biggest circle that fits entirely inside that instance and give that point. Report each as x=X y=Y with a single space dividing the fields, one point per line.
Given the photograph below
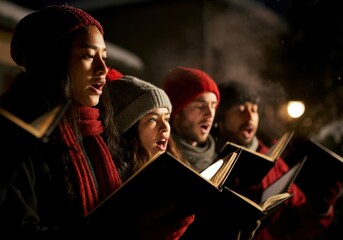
x=210 y=110
x=165 y=126
x=101 y=68
x=248 y=112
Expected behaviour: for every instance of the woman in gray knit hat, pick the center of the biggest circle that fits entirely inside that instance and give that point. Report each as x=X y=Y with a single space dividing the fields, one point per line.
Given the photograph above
x=141 y=113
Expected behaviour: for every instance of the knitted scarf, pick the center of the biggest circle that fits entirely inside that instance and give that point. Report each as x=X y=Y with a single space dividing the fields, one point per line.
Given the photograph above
x=99 y=155
x=200 y=157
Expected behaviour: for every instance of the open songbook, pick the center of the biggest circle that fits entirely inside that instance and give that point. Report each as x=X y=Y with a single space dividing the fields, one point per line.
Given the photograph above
x=275 y=194
x=42 y=126
x=253 y=166
x=321 y=161
x=166 y=179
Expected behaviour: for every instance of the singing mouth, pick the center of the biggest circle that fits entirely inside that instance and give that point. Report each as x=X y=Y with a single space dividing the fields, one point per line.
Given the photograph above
x=247 y=130
x=205 y=127
x=162 y=143
x=98 y=85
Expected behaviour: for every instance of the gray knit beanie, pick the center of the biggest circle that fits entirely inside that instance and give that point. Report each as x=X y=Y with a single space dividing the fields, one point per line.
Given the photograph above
x=133 y=98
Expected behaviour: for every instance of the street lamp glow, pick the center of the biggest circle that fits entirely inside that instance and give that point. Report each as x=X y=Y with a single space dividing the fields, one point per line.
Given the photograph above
x=295 y=109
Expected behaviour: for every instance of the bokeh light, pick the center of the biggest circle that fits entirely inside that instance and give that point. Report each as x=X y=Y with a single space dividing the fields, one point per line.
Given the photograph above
x=295 y=109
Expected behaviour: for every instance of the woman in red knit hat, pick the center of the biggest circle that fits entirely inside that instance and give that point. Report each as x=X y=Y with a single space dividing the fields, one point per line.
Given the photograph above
x=56 y=184
x=62 y=52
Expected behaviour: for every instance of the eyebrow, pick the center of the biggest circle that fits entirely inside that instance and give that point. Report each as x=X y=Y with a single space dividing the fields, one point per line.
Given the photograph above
x=86 y=45
x=152 y=113
x=204 y=101
x=158 y=113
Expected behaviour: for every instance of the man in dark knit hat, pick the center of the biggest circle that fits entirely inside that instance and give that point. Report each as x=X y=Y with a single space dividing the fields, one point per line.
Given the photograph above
x=237 y=116
x=237 y=121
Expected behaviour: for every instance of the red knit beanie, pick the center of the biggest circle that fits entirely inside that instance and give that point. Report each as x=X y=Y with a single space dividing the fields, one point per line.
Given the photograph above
x=184 y=84
x=39 y=34
x=113 y=74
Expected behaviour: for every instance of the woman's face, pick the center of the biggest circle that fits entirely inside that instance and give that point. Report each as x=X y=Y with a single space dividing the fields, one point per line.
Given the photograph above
x=154 y=130
x=87 y=66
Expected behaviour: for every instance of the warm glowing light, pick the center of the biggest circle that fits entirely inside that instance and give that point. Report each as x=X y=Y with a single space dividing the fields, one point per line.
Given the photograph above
x=295 y=109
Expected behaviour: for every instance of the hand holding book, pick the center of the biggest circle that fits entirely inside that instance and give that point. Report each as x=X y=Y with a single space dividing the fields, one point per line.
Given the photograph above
x=153 y=225
x=322 y=175
x=325 y=195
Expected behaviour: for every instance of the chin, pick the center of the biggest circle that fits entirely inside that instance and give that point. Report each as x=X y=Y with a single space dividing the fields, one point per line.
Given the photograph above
x=202 y=138
x=246 y=142
x=94 y=99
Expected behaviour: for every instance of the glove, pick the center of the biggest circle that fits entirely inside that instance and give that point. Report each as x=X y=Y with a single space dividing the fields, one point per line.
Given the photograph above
x=158 y=225
x=179 y=227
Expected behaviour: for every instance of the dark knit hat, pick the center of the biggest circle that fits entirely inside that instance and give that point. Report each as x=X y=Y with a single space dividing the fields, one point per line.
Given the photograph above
x=133 y=98
x=235 y=92
x=184 y=84
x=37 y=34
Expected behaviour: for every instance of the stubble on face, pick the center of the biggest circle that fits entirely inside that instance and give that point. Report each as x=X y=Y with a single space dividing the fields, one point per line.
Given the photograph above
x=236 y=129
x=186 y=129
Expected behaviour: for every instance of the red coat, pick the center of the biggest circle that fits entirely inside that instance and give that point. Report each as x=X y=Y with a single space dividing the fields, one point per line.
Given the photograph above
x=295 y=220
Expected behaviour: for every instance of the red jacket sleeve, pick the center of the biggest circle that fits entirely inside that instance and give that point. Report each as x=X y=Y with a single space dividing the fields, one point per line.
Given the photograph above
x=295 y=220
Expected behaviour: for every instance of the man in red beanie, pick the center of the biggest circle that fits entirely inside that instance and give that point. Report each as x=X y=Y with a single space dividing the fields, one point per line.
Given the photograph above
x=195 y=97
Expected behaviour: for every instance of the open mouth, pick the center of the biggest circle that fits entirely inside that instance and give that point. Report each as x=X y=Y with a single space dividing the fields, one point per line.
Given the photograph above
x=247 y=131
x=205 y=127
x=162 y=144
x=98 y=85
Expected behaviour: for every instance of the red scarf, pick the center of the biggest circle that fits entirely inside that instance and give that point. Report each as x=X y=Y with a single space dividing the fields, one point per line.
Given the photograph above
x=104 y=168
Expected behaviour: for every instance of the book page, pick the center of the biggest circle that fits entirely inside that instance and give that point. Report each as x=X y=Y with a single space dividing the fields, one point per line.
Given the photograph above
x=246 y=199
x=212 y=169
x=282 y=184
x=276 y=150
x=274 y=200
x=264 y=207
x=44 y=122
x=42 y=126
x=224 y=170
x=218 y=171
x=233 y=146
x=21 y=123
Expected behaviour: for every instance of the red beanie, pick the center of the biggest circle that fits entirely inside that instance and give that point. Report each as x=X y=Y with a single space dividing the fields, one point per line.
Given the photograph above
x=40 y=33
x=113 y=74
x=183 y=85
